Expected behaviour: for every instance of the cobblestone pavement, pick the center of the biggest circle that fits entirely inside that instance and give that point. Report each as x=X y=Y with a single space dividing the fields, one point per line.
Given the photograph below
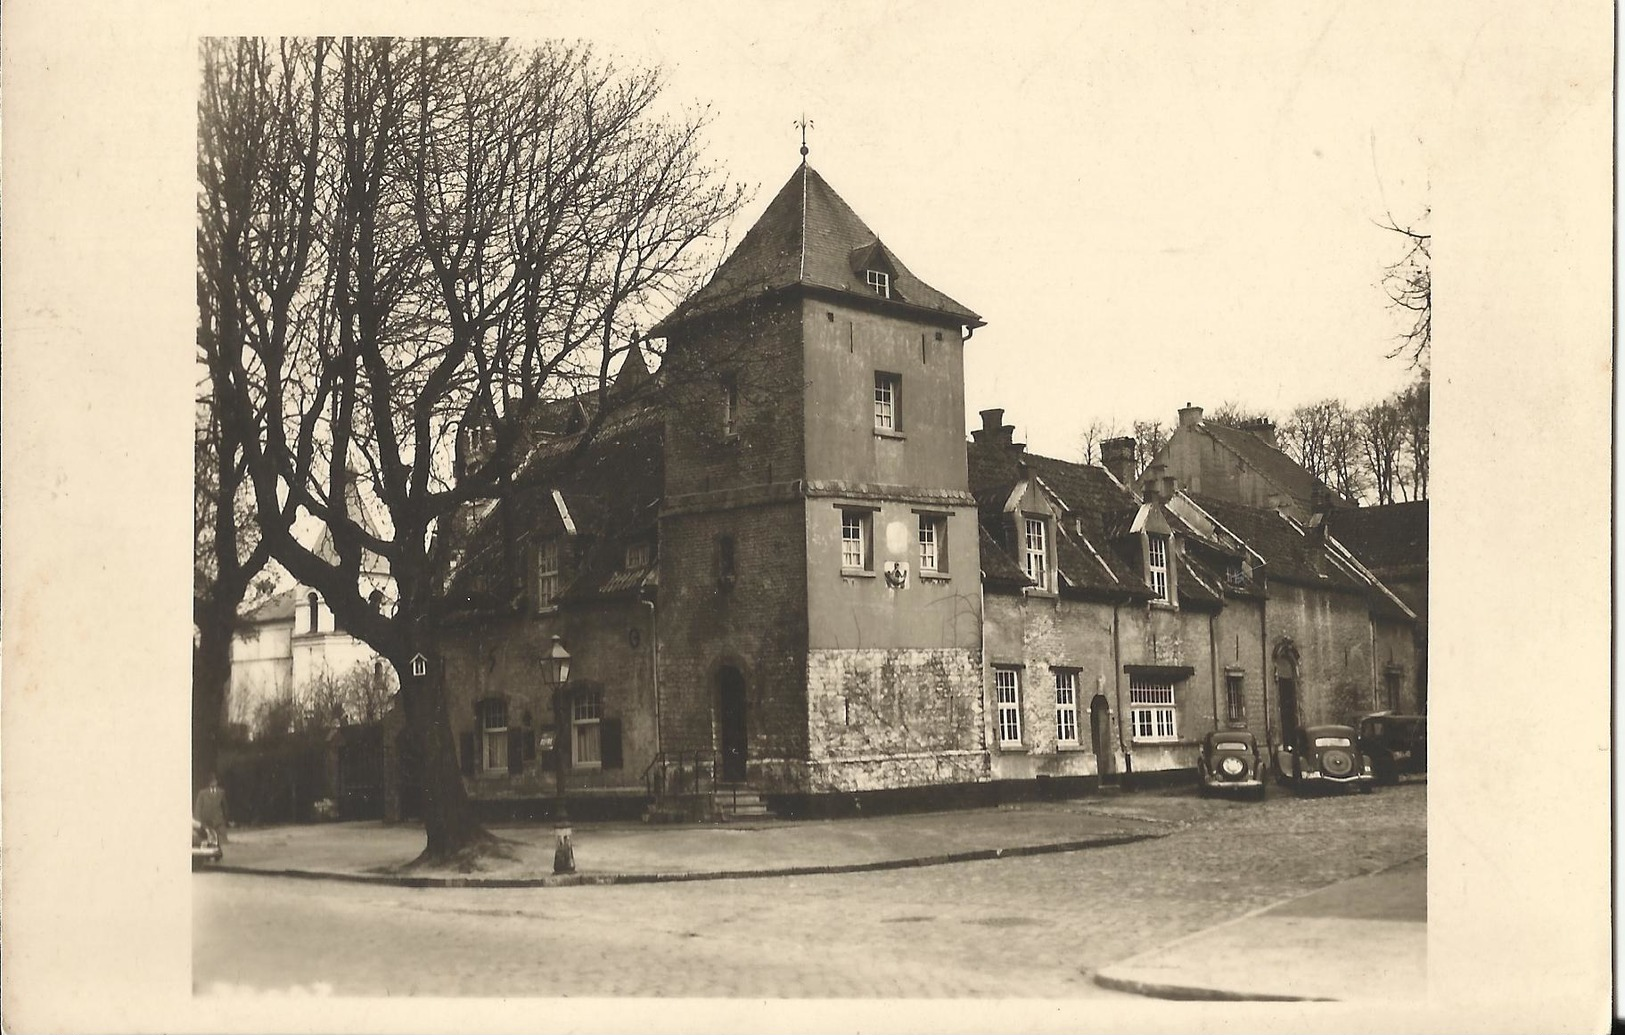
x=1020 y=927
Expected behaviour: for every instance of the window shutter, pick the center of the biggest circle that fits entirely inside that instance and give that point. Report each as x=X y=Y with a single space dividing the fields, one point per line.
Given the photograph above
x=516 y=752
x=530 y=745
x=471 y=754
x=609 y=733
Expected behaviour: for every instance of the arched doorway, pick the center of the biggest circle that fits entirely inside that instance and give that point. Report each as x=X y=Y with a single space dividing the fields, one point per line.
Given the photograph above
x=731 y=739
x=1100 y=729
x=1286 y=691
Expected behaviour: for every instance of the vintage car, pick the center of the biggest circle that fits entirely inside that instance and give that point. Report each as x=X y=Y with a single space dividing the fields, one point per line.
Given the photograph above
x=1230 y=762
x=1396 y=744
x=205 y=845
x=1324 y=756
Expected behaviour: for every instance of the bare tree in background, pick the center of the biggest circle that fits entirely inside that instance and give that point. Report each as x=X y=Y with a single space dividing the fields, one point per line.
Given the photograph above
x=228 y=561
x=1149 y=438
x=398 y=239
x=1234 y=414
x=1323 y=437
x=1409 y=285
x=1414 y=405
x=1381 y=429
x=1096 y=432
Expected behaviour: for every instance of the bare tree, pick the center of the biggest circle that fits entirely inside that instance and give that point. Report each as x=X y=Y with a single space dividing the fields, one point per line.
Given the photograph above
x=1149 y=438
x=1096 y=432
x=1234 y=414
x=228 y=562
x=1382 y=433
x=1413 y=406
x=401 y=239
x=1324 y=439
x=1409 y=285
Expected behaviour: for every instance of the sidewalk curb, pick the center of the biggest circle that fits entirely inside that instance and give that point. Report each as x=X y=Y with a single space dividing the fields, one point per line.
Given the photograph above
x=1123 y=981
x=580 y=879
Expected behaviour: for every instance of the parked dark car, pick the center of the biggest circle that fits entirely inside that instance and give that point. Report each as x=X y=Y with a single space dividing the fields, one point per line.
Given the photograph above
x=1396 y=744
x=1230 y=762
x=205 y=845
x=1324 y=756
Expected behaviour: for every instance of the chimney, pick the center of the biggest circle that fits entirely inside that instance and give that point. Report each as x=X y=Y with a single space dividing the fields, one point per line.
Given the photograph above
x=1117 y=456
x=1156 y=480
x=1263 y=428
x=1190 y=416
x=1320 y=502
x=994 y=431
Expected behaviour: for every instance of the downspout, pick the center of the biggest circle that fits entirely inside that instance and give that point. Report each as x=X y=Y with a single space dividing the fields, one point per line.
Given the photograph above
x=1213 y=666
x=981 y=634
x=1264 y=669
x=1117 y=691
x=654 y=668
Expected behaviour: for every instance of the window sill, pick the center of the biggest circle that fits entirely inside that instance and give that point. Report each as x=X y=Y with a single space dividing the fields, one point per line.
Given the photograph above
x=1164 y=605
x=856 y=573
x=1048 y=594
x=886 y=433
x=935 y=576
x=1013 y=749
x=579 y=766
x=1071 y=749
x=548 y=609
x=1172 y=742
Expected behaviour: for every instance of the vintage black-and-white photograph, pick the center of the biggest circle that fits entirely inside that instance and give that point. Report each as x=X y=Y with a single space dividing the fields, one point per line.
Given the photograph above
x=849 y=517
x=746 y=539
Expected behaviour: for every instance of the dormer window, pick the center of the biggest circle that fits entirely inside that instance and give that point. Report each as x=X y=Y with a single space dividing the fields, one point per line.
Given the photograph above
x=637 y=556
x=879 y=282
x=1035 y=555
x=1156 y=566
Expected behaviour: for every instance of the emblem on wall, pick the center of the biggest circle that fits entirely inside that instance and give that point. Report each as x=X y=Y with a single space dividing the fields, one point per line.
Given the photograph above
x=896 y=574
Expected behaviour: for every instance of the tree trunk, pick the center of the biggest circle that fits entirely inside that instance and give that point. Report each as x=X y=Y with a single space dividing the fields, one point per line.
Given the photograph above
x=448 y=815
x=211 y=675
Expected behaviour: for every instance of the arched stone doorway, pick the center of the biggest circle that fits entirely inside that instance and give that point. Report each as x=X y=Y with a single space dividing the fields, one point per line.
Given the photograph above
x=731 y=724
x=1287 y=691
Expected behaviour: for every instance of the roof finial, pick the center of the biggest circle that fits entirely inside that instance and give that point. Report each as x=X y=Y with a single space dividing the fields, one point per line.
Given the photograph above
x=805 y=123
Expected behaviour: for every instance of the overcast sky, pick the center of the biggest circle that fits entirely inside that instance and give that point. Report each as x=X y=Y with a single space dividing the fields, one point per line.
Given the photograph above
x=1148 y=203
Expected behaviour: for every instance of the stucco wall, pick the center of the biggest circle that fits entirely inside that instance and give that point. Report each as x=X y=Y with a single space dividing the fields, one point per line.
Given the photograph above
x=892 y=718
x=845 y=346
x=1332 y=633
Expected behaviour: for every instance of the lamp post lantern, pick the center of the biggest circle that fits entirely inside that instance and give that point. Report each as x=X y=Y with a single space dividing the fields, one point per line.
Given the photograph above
x=556 y=673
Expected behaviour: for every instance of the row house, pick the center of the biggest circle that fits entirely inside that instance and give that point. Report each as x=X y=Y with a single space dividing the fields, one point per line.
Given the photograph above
x=780 y=569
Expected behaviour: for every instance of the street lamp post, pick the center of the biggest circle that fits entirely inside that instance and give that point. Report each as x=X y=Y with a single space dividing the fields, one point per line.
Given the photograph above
x=556 y=673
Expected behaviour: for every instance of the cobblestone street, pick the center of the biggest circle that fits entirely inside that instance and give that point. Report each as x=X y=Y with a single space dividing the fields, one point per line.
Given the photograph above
x=1020 y=927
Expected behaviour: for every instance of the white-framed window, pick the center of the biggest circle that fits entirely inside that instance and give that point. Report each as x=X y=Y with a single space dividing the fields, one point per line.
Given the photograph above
x=1156 y=566
x=888 y=401
x=1235 y=704
x=547 y=573
x=586 y=723
x=1151 y=710
x=1007 y=689
x=933 y=543
x=879 y=282
x=855 y=539
x=1066 y=706
x=494 y=734
x=1035 y=552
x=730 y=405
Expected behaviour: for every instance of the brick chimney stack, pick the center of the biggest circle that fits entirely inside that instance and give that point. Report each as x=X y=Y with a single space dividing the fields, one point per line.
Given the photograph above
x=994 y=431
x=1117 y=456
x=1190 y=416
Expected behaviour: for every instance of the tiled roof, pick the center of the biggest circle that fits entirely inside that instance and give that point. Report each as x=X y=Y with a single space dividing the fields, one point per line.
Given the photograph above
x=611 y=492
x=809 y=236
x=1278 y=468
x=1094 y=503
x=1287 y=553
x=278 y=608
x=1386 y=538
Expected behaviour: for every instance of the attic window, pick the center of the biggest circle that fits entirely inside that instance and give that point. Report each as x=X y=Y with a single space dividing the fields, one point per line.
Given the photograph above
x=637 y=556
x=1157 y=564
x=879 y=282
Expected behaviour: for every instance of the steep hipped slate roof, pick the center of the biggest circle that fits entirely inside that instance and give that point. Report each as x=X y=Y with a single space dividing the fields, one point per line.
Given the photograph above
x=809 y=236
x=1276 y=467
x=1386 y=538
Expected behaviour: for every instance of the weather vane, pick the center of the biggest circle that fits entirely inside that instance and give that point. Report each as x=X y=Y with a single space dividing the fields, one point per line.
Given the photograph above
x=805 y=123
